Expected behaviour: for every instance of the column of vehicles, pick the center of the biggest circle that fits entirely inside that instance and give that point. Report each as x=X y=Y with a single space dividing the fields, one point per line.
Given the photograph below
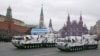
x=68 y=43
x=34 y=41
x=77 y=43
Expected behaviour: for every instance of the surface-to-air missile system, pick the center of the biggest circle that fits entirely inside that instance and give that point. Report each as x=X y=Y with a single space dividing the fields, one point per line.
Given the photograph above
x=34 y=41
x=77 y=43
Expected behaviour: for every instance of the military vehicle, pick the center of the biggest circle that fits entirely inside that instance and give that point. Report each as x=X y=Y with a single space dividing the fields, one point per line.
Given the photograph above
x=77 y=43
x=34 y=41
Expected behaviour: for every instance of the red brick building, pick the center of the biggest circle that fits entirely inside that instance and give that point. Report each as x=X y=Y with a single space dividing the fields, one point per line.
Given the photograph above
x=10 y=26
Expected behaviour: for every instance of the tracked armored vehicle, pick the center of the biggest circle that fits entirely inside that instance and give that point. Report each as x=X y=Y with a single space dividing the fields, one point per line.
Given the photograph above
x=77 y=43
x=34 y=41
x=91 y=42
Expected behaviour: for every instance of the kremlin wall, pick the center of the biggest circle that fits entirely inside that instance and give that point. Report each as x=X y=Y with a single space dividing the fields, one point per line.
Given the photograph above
x=10 y=26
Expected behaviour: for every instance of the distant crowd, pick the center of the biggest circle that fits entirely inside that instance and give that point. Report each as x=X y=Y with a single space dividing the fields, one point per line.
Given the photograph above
x=6 y=35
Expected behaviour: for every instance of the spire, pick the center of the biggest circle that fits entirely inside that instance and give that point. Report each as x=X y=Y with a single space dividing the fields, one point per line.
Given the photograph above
x=68 y=20
x=68 y=17
x=64 y=25
x=50 y=23
x=9 y=7
x=41 y=10
x=80 y=16
x=50 y=26
x=81 y=21
x=41 y=24
x=85 y=25
x=9 y=12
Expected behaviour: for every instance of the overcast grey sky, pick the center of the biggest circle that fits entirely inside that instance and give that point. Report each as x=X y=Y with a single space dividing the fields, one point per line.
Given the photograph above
x=29 y=11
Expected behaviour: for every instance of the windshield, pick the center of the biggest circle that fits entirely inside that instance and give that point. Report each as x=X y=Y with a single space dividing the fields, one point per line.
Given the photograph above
x=18 y=38
x=60 y=40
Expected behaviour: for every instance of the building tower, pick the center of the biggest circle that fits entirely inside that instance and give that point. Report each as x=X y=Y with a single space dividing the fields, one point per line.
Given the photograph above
x=41 y=23
x=9 y=12
x=50 y=25
x=68 y=20
x=68 y=25
x=9 y=19
x=81 y=21
x=63 y=33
